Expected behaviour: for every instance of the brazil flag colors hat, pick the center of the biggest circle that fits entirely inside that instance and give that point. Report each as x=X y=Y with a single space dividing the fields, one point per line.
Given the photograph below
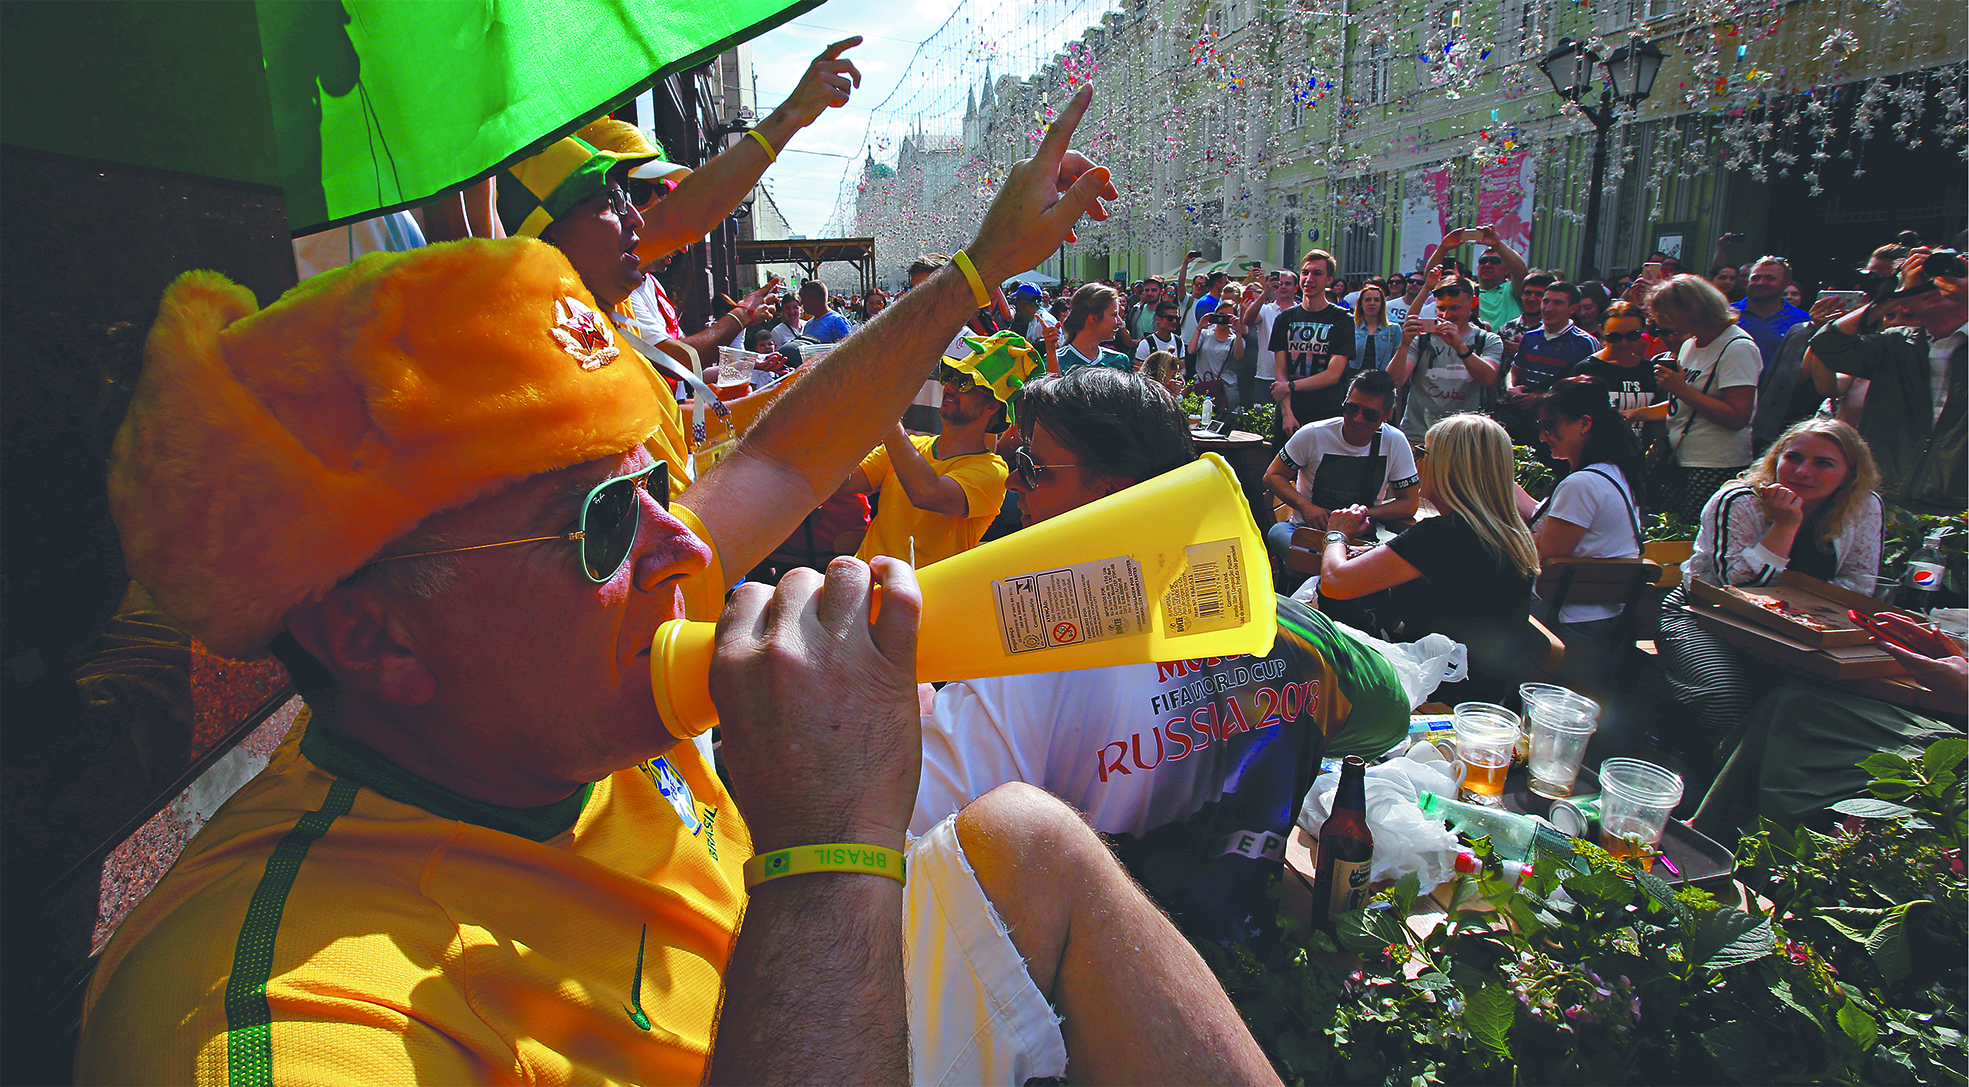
x=1003 y=363
x=536 y=191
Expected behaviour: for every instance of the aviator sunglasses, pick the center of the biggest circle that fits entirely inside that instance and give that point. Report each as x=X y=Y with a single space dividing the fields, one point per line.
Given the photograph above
x=606 y=529
x=1029 y=470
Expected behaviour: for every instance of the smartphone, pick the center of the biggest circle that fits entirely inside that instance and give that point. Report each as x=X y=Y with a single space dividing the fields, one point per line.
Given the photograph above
x=1935 y=644
x=1651 y=271
x=1848 y=300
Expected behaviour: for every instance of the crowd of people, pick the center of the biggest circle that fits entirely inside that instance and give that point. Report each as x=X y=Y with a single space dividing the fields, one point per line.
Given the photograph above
x=454 y=491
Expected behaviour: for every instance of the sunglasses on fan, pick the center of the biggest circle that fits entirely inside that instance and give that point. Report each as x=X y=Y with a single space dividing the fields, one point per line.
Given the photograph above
x=606 y=529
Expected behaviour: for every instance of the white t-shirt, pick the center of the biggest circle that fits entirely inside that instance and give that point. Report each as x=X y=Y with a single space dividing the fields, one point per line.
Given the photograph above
x=1605 y=509
x=1397 y=311
x=1150 y=345
x=1316 y=441
x=1261 y=331
x=1737 y=362
x=782 y=335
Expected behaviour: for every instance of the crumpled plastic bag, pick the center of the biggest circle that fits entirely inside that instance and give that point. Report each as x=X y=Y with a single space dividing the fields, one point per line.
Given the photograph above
x=1405 y=838
x=1422 y=665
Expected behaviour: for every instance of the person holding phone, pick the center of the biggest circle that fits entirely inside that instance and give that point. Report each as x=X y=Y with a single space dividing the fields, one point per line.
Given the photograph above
x=1810 y=505
x=1215 y=348
x=1713 y=381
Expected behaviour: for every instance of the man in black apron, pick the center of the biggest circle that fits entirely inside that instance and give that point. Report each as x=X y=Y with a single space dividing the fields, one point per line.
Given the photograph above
x=1348 y=461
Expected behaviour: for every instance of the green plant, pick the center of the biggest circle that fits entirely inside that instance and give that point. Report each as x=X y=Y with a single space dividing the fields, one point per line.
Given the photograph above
x=1192 y=403
x=1611 y=976
x=1886 y=901
x=1668 y=526
x=1534 y=475
x=1260 y=418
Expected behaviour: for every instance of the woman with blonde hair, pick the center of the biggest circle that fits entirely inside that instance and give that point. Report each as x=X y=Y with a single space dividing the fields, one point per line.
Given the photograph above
x=1467 y=573
x=1166 y=370
x=1713 y=381
x=1810 y=505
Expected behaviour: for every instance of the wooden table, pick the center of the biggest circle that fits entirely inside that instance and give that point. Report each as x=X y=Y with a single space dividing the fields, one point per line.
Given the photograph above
x=1248 y=455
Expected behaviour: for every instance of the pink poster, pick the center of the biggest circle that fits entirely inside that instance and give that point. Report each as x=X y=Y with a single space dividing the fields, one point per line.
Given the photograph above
x=1504 y=199
x=1438 y=182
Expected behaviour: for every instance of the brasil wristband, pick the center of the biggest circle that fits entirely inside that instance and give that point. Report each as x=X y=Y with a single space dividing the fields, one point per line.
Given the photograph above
x=963 y=262
x=801 y=860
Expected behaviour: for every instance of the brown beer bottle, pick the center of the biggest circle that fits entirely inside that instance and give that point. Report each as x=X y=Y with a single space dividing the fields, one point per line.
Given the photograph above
x=1346 y=848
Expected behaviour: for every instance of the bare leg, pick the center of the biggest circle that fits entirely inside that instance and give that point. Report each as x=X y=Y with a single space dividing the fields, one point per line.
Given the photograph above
x=1139 y=1003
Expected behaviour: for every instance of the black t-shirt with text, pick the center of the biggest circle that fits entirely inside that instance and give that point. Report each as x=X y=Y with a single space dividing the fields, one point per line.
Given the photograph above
x=1628 y=387
x=1310 y=339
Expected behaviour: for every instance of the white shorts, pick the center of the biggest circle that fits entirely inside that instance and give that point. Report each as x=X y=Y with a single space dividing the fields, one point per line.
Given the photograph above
x=975 y=1015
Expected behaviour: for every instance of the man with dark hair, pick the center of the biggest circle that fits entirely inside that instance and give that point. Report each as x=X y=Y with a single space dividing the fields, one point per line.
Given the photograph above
x=1310 y=347
x=1554 y=347
x=939 y=492
x=1512 y=332
x=1141 y=314
x=1351 y=461
x=1918 y=403
x=823 y=325
x=1162 y=336
x=1197 y=792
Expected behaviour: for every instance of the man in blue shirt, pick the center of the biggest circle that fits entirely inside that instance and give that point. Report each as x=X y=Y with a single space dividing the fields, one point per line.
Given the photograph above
x=823 y=324
x=1554 y=347
x=1766 y=315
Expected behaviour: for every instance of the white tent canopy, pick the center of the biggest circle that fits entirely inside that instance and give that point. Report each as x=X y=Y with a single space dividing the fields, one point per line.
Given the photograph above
x=1035 y=277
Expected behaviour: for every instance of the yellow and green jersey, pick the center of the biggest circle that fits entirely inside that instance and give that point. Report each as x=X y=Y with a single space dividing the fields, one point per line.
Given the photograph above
x=342 y=921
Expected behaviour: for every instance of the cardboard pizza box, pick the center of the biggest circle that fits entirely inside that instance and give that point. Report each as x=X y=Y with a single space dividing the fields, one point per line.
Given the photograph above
x=1805 y=597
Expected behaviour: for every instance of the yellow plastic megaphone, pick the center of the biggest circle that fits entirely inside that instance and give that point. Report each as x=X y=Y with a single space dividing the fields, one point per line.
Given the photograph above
x=1170 y=569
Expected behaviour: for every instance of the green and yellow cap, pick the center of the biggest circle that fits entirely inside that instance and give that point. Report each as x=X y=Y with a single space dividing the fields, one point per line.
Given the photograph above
x=1002 y=363
x=536 y=191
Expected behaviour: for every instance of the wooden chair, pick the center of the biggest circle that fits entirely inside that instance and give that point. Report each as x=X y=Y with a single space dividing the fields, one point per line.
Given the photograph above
x=1603 y=581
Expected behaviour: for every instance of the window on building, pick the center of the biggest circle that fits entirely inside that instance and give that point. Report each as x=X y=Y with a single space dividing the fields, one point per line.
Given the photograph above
x=1369 y=84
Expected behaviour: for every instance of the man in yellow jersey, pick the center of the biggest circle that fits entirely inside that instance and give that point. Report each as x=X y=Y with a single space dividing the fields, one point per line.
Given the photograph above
x=422 y=480
x=940 y=492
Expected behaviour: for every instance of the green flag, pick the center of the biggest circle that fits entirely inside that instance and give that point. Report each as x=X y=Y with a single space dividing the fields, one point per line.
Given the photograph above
x=354 y=107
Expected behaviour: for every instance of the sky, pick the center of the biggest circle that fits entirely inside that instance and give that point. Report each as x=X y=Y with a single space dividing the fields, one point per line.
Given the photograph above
x=805 y=181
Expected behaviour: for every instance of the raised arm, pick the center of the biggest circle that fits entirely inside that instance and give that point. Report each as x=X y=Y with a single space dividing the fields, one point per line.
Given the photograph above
x=1515 y=268
x=926 y=489
x=814 y=435
x=702 y=200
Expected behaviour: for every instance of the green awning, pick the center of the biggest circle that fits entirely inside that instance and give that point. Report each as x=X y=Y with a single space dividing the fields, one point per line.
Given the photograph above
x=353 y=107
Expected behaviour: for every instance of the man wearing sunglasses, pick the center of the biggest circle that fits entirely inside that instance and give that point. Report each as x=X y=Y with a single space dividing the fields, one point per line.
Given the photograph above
x=1350 y=461
x=940 y=492
x=1198 y=791
x=483 y=857
x=1447 y=363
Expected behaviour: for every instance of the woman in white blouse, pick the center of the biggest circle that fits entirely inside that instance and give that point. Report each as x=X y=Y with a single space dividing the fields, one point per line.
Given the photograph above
x=1810 y=504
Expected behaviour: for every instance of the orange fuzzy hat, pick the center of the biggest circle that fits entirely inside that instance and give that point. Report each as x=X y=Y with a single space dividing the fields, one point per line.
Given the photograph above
x=269 y=453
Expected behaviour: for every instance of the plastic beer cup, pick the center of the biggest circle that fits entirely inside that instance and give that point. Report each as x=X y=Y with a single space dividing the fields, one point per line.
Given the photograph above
x=1635 y=799
x=1486 y=738
x=1561 y=722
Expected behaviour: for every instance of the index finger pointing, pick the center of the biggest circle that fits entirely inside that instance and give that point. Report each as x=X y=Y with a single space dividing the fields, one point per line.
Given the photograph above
x=833 y=52
x=1060 y=132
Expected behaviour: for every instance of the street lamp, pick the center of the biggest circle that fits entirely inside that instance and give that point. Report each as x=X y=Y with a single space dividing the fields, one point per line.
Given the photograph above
x=1631 y=72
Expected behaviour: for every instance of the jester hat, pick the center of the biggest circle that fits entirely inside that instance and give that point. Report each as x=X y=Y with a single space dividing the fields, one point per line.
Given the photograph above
x=1002 y=363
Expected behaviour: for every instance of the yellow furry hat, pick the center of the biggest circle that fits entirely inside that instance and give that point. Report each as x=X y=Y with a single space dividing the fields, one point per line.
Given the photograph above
x=269 y=453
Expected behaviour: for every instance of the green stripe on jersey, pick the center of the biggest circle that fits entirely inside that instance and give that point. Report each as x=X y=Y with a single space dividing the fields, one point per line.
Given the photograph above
x=249 y=1020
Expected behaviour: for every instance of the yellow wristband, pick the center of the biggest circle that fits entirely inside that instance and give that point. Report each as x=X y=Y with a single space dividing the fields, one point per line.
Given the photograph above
x=963 y=262
x=771 y=155
x=871 y=860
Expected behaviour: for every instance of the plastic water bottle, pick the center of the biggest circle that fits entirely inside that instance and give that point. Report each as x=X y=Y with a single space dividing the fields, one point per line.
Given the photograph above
x=1923 y=578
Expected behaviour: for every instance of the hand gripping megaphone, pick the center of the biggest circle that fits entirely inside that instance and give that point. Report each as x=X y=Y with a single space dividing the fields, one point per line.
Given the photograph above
x=1173 y=568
